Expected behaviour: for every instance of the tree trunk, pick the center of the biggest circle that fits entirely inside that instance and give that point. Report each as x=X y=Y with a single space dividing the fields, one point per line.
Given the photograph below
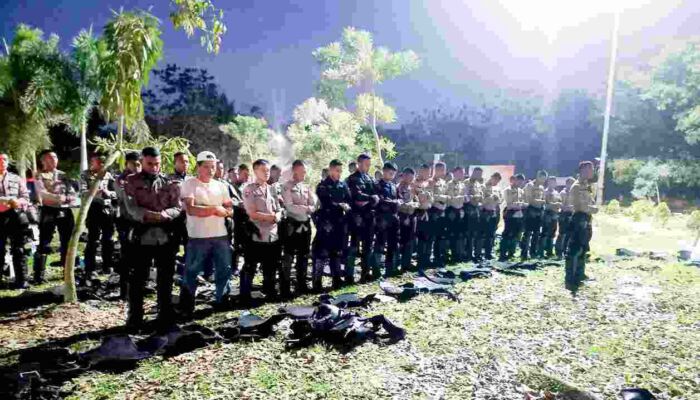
x=83 y=147
x=70 y=293
x=376 y=134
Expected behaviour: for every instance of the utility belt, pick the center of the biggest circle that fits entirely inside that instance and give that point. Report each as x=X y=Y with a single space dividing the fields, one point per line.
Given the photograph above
x=49 y=214
x=151 y=234
x=290 y=226
x=388 y=208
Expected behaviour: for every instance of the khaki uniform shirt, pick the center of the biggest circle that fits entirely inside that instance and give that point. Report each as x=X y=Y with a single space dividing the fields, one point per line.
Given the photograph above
x=258 y=198
x=455 y=193
x=437 y=187
x=107 y=184
x=492 y=197
x=534 y=194
x=552 y=200
x=425 y=197
x=408 y=197
x=514 y=198
x=566 y=205
x=51 y=185
x=582 y=197
x=299 y=200
x=474 y=191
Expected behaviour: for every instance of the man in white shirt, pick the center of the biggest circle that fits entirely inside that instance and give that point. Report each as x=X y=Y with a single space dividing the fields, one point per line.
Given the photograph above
x=207 y=203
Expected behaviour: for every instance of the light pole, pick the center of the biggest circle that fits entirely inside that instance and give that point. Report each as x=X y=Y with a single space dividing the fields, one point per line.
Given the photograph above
x=608 y=107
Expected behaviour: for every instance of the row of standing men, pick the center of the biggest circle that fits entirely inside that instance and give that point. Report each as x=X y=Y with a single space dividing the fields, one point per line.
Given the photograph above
x=385 y=222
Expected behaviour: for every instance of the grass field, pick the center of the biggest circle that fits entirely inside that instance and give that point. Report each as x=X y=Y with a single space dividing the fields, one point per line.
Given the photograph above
x=636 y=324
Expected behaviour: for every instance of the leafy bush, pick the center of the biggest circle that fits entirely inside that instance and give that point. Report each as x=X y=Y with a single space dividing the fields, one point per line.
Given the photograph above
x=612 y=208
x=640 y=209
x=662 y=213
x=694 y=221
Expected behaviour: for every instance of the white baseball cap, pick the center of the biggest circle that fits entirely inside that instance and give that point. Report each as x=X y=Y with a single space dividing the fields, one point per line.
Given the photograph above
x=206 y=156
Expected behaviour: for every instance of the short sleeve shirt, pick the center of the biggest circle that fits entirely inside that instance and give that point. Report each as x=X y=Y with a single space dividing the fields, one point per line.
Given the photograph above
x=212 y=193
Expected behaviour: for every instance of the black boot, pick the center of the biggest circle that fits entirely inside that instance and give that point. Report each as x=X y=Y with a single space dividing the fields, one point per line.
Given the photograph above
x=19 y=262
x=186 y=305
x=39 y=268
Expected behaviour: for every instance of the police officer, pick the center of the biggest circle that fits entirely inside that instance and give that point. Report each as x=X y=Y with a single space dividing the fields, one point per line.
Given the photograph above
x=513 y=217
x=182 y=167
x=132 y=165
x=300 y=203
x=331 y=225
x=387 y=223
x=582 y=199
x=423 y=223
x=362 y=221
x=490 y=216
x=274 y=182
x=407 y=217
x=534 y=197
x=437 y=187
x=552 y=206
x=242 y=227
x=100 y=218
x=57 y=195
x=454 y=215
x=474 y=192
x=153 y=204
x=14 y=223
x=567 y=210
x=265 y=213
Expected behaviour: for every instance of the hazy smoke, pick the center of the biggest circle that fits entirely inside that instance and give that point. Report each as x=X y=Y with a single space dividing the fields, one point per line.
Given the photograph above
x=284 y=153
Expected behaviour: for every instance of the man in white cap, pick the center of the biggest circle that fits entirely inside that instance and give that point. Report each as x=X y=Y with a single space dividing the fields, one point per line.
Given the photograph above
x=207 y=203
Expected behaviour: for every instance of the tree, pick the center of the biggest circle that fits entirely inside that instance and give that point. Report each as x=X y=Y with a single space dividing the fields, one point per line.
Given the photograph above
x=253 y=136
x=35 y=81
x=192 y=15
x=132 y=48
x=87 y=53
x=675 y=86
x=355 y=62
x=321 y=133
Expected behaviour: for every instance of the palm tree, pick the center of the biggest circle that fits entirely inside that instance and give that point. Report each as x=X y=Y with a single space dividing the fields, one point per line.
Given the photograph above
x=132 y=47
x=35 y=80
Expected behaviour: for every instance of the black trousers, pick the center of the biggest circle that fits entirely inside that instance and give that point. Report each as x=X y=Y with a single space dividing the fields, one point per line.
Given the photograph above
x=581 y=232
x=330 y=243
x=267 y=255
x=407 y=238
x=438 y=237
x=472 y=232
x=362 y=228
x=511 y=231
x=100 y=229
x=51 y=219
x=455 y=233
x=297 y=246
x=549 y=231
x=387 y=240
x=126 y=251
x=163 y=257
x=532 y=232
x=423 y=239
x=489 y=225
x=563 y=236
x=14 y=233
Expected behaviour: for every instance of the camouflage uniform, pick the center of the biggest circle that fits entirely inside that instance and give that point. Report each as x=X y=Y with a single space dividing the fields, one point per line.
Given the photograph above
x=14 y=226
x=490 y=217
x=100 y=221
x=534 y=197
x=581 y=231
x=474 y=192
x=153 y=241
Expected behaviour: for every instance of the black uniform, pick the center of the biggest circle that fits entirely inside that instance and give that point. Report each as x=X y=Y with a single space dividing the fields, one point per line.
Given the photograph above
x=362 y=223
x=180 y=229
x=14 y=226
x=330 y=242
x=387 y=228
x=99 y=222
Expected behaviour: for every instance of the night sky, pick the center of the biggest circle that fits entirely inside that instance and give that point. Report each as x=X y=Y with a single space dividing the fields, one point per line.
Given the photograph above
x=466 y=46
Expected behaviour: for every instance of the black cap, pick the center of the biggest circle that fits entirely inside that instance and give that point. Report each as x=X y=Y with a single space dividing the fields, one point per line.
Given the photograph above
x=391 y=166
x=363 y=156
x=150 y=152
x=335 y=163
